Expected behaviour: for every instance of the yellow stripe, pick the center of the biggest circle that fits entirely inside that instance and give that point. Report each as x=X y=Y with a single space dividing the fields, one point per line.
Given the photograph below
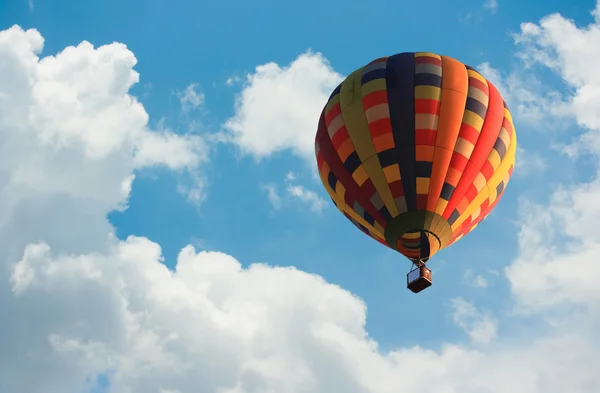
x=414 y=235
x=428 y=92
x=374 y=85
x=477 y=75
x=354 y=118
x=340 y=190
x=494 y=159
x=358 y=130
x=477 y=202
x=473 y=119
x=428 y=54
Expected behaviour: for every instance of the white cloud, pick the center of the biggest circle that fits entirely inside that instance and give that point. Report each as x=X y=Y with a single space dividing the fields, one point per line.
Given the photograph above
x=191 y=98
x=294 y=193
x=272 y=195
x=530 y=100
x=212 y=326
x=480 y=281
x=559 y=244
x=299 y=192
x=70 y=140
x=491 y=5
x=473 y=280
x=481 y=328
x=233 y=80
x=171 y=150
x=556 y=271
x=529 y=162
x=311 y=198
x=279 y=108
x=82 y=303
x=558 y=44
x=68 y=125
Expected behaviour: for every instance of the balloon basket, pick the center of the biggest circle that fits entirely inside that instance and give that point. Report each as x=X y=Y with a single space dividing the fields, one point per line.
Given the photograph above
x=418 y=279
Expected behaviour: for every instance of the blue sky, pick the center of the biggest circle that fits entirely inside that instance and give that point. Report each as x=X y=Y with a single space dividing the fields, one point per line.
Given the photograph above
x=207 y=43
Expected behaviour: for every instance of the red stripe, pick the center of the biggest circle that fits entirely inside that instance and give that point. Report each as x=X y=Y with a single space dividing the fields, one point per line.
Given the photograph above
x=427 y=106
x=487 y=170
x=349 y=200
x=471 y=193
x=422 y=201
x=380 y=127
x=489 y=133
x=428 y=60
x=474 y=82
x=375 y=98
x=468 y=133
x=320 y=161
x=339 y=137
x=368 y=188
x=425 y=137
x=467 y=221
x=458 y=161
x=334 y=111
x=396 y=189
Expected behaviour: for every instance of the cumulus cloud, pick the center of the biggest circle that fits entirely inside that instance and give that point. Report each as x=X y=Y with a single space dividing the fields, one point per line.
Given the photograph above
x=82 y=303
x=211 y=325
x=559 y=242
x=531 y=101
x=68 y=126
x=279 y=107
x=558 y=44
x=71 y=138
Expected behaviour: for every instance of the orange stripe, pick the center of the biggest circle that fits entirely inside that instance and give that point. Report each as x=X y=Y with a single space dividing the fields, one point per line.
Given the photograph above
x=455 y=84
x=485 y=143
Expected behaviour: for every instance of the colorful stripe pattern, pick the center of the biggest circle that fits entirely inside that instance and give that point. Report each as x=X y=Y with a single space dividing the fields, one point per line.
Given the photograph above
x=415 y=150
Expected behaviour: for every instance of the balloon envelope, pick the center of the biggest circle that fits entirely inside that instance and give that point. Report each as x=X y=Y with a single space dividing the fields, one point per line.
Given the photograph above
x=415 y=150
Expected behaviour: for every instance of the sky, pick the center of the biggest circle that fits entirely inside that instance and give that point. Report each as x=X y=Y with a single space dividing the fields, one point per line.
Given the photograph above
x=162 y=229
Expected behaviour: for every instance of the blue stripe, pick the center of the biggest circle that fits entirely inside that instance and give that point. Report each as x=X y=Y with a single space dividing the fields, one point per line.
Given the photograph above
x=400 y=76
x=427 y=79
x=372 y=75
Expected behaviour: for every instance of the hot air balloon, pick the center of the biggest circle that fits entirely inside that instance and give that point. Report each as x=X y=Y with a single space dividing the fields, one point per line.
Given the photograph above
x=415 y=150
